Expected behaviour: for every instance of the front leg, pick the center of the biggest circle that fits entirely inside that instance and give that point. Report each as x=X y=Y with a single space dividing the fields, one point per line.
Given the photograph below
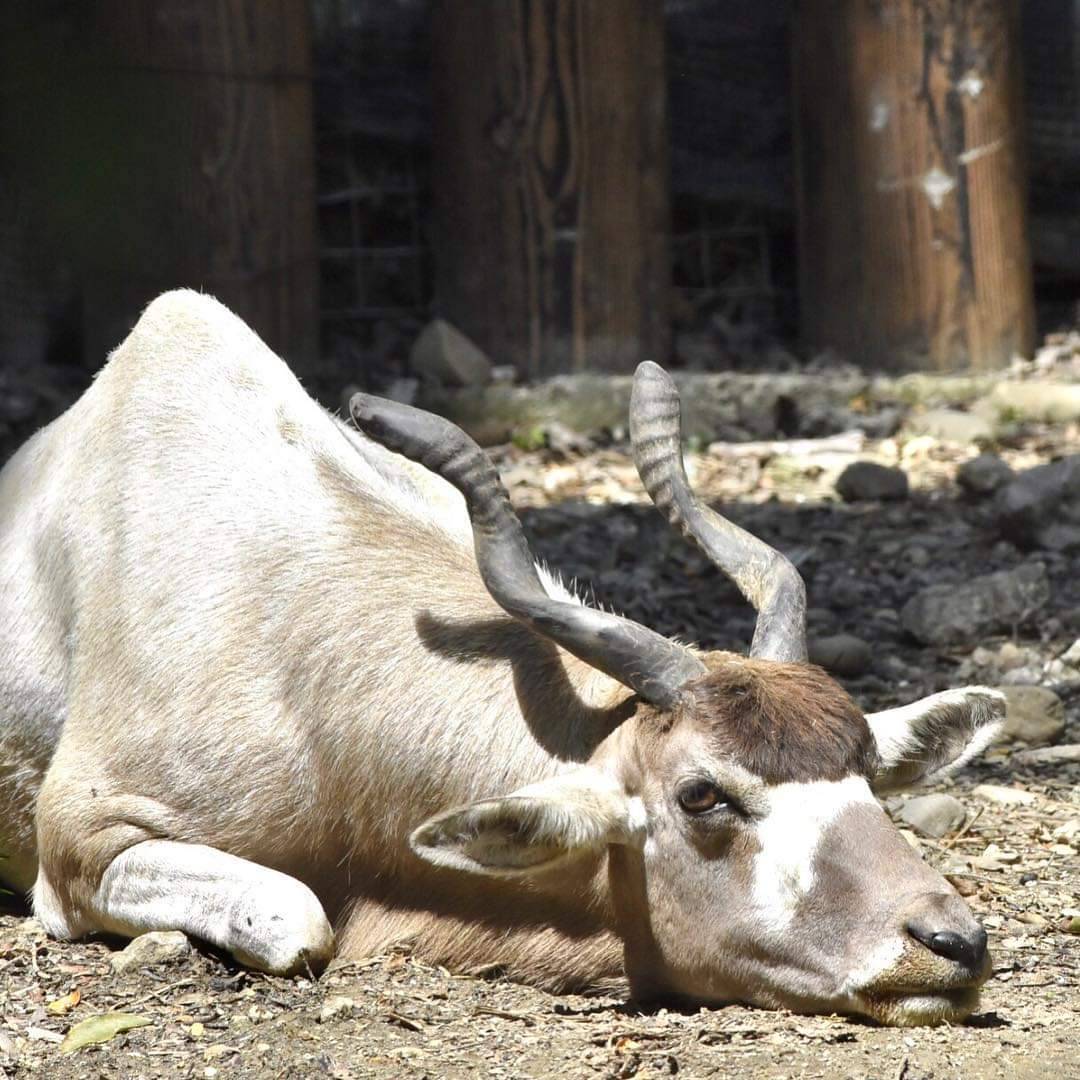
x=266 y=919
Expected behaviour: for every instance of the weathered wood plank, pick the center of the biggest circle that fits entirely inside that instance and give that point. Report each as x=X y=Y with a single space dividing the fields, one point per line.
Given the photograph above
x=225 y=191
x=550 y=178
x=912 y=231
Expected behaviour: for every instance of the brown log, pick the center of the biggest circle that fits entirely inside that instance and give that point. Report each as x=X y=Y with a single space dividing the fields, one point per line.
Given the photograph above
x=550 y=178
x=212 y=155
x=912 y=220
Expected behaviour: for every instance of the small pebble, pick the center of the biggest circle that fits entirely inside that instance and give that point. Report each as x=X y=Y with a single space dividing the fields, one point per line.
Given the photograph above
x=334 y=1007
x=151 y=949
x=866 y=480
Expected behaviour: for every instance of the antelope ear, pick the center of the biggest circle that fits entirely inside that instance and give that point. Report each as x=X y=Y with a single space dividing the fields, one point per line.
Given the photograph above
x=931 y=737
x=533 y=828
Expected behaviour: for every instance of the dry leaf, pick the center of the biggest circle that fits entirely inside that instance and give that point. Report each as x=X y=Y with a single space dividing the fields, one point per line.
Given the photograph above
x=100 y=1029
x=63 y=1005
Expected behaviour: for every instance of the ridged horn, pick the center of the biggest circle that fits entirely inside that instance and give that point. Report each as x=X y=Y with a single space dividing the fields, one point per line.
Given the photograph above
x=648 y=663
x=764 y=576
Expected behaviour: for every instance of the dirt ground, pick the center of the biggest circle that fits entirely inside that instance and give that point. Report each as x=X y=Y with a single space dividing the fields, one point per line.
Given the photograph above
x=392 y=1016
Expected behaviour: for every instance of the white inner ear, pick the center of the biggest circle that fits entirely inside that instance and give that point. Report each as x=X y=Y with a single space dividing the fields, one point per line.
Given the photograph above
x=930 y=738
x=535 y=827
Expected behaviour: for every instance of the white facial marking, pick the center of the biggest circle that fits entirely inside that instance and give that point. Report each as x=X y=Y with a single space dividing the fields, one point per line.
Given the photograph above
x=790 y=834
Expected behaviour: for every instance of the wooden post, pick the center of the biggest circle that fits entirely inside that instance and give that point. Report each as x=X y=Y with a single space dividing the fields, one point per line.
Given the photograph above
x=912 y=221
x=550 y=178
x=210 y=163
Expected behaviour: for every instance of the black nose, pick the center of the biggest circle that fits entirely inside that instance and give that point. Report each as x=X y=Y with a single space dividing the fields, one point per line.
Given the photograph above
x=968 y=948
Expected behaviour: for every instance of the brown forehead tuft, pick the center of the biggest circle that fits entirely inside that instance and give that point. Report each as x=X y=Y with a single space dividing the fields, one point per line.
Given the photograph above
x=784 y=722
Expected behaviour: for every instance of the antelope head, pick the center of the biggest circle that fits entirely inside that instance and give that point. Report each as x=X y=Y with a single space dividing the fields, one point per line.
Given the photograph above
x=748 y=857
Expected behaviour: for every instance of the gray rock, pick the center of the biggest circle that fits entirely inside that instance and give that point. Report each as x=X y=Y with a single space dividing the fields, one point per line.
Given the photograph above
x=820 y=620
x=1025 y=675
x=564 y=440
x=1041 y=506
x=445 y=354
x=335 y=1007
x=843 y=593
x=842 y=654
x=1044 y=402
x=1071 y=655
x=952 y=425
x=984 y=474
x=961 y=614
x=1034 y=716
x=880 y=424
x=1010 y=656
x=917 y=556
x=933 y=815
x=149 y=950
x=866 y=480
x=1049 y=755
x=1003 y=796
x=885 y=616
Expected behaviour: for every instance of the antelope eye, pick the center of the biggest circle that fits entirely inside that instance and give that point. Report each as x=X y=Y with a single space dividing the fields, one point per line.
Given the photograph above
x=701 y=796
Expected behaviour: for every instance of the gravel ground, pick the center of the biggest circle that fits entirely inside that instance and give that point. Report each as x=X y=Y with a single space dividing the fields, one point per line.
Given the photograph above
x=392 y=1016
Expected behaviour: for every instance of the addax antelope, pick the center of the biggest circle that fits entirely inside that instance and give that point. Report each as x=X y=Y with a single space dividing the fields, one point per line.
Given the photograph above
x=295 y=688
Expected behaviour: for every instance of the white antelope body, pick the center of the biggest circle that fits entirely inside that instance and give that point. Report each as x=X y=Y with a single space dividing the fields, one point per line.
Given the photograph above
x=268 y=682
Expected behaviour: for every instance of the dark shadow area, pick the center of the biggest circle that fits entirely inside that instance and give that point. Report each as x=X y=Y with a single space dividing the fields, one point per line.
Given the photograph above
x=540 y=681
x=861 y=562
x=987 y=1020
x=13 y=903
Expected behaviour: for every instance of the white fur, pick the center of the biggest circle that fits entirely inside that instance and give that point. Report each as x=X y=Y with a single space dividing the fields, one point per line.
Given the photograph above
x=799 y=814
x=196 y=504
x=227 y=617
x=266 y=919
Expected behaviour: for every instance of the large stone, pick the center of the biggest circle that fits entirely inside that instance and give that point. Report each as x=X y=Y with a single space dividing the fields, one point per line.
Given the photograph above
x=1044 y=402
x=1049 y=755
x=152 y=949
x=983 y=475
x=842 y=654
x=1003 y=796
x=445 y=354
x=1041 y=507
x=1071 y=656
x=867 y=480
x=962 y=614
x=933 y=815
x=1034 y=716
x=952 y=425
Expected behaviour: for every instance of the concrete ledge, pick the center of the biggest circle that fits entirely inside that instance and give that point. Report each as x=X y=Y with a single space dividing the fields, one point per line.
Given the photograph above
x=735 y=407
